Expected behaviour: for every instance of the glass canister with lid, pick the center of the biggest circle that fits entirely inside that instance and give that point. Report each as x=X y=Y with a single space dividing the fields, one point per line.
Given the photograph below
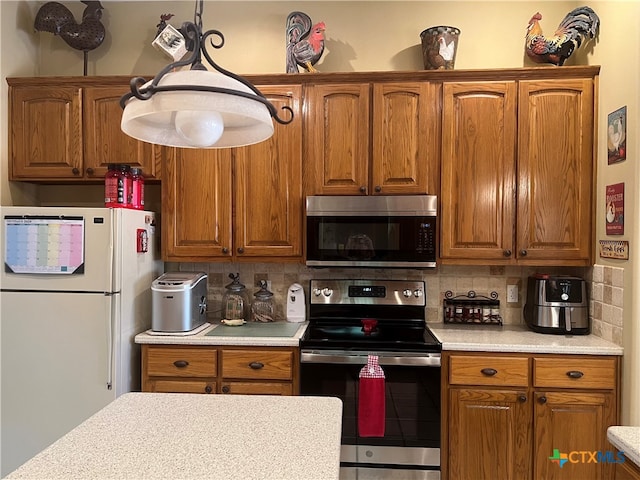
x=236 y=300
x=262 y=307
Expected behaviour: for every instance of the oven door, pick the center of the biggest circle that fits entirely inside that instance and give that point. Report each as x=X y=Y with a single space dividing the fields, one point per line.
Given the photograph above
x=410 y=447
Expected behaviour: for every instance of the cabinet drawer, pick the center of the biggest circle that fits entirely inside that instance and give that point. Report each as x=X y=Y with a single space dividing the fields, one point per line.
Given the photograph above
x=487 y=370
x=257 y=388
x=257 y=364
x=181 y=362
x=182 y=386
x=575 y=373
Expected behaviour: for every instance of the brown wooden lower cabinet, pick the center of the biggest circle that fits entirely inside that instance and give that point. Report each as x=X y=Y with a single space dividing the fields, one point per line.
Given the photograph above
x=506 y=415
x=218 y=369
x=627 y=471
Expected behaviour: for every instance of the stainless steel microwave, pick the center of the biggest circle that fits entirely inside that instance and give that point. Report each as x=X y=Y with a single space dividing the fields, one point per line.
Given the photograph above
x=371 y=231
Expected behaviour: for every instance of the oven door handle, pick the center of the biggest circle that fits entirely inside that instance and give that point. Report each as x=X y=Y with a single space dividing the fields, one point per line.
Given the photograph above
x=360 y=358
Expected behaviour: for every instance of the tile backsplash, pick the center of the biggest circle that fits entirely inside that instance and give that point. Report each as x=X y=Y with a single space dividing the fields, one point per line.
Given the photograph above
x=607 y=295
x=458 y=279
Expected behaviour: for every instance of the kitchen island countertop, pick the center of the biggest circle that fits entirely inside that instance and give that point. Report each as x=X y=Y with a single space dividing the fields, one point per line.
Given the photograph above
x=178 y=435
x=245 y=335
x=519 y=339
x=627 y=440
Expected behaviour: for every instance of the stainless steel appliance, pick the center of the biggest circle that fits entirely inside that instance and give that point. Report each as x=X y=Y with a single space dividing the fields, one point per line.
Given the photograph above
x=371 y=231
x=351 y=319
x=179 y=301
x=557 y=305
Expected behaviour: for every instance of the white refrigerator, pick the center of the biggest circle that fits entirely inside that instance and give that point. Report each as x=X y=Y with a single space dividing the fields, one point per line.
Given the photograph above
x=75 y=290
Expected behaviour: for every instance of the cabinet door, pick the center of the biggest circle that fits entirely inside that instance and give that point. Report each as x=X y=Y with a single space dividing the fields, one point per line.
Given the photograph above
x=404 y=132
x=478 y=171
x=45 y=140
x=196 y=204
x=555 y=168
x=105 y=142
x=489 y=434
x=337 y=136
x=575 y=424
x=627 y=471
x=268 y=186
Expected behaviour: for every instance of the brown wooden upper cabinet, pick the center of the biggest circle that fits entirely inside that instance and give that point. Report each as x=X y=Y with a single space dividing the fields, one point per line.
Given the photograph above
x=517 y=172
x=65 y=131
x=240 y=203
x=372 y=138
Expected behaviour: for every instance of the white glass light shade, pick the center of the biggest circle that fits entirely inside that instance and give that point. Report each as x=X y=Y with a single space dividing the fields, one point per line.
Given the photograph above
x=245 y=121
x=200 y=129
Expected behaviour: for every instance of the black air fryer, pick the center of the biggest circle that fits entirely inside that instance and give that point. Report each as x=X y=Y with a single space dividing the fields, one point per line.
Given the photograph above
x=557 y=305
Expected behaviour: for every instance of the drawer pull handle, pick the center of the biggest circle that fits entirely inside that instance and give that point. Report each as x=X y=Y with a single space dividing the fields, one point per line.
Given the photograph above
x=489 y=372
x=542 y=400
x=226 y=389
x=522 y=398
x=575 y=374
x=181 y=363
x=208 y=389
x=256 y=365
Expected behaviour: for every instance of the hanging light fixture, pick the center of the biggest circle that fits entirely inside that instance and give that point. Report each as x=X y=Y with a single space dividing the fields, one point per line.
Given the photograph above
x=197 y=108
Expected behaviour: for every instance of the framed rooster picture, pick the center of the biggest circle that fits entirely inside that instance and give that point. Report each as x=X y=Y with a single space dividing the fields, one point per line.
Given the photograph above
x=617 y=135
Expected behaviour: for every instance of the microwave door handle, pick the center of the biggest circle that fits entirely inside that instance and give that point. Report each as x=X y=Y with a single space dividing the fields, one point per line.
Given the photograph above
x=425 y=360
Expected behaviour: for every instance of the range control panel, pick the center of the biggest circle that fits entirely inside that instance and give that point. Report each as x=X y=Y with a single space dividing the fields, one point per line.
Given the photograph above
x=371 y=292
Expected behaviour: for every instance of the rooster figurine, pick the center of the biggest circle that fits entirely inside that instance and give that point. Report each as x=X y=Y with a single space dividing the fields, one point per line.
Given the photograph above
x=55 y=18
x=577 y=24
x=305 y=43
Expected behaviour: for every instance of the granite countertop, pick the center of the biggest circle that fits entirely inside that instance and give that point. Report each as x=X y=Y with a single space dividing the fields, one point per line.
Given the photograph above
x=169 y=435
x=472 y=338
x=275 y=334
x=627 y=440
x=516 y=338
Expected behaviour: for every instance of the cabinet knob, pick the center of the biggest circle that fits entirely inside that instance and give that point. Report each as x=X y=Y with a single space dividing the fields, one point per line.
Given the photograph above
x=542 y=400
x=522 y=398
x=507 y=253
x=208 y=389
x=240 y=249
x=75 y=171
x=523 y=253
x=89 y=171
x=378 y=188
x=226 y=389
x=489 y=372
x=363 y=189
x=575 y=374
x=225 y=250
x=181 y=363
x=256 y=365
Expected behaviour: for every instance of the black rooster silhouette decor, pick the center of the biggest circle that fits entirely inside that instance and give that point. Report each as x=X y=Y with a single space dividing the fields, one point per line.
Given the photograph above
x=578 y=25
x=305 y=42
x=87 y=35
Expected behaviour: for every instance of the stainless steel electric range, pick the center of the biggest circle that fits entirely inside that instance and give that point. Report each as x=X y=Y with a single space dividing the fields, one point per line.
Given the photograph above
x=350 y=320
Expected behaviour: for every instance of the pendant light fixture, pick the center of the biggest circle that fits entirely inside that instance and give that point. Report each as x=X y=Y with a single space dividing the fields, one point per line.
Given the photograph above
x=198 y=108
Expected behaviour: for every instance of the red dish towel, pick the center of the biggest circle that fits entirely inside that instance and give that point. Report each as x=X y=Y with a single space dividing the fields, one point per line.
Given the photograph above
x=371 y=399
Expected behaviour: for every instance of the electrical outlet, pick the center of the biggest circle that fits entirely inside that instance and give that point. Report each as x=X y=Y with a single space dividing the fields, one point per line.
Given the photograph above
x=512 y=293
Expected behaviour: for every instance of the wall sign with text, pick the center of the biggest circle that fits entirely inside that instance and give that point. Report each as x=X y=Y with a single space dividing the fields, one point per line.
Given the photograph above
x=614 y=210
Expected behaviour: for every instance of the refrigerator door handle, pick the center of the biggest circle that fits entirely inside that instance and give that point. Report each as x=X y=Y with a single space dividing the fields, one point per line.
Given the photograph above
x=110 y=343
